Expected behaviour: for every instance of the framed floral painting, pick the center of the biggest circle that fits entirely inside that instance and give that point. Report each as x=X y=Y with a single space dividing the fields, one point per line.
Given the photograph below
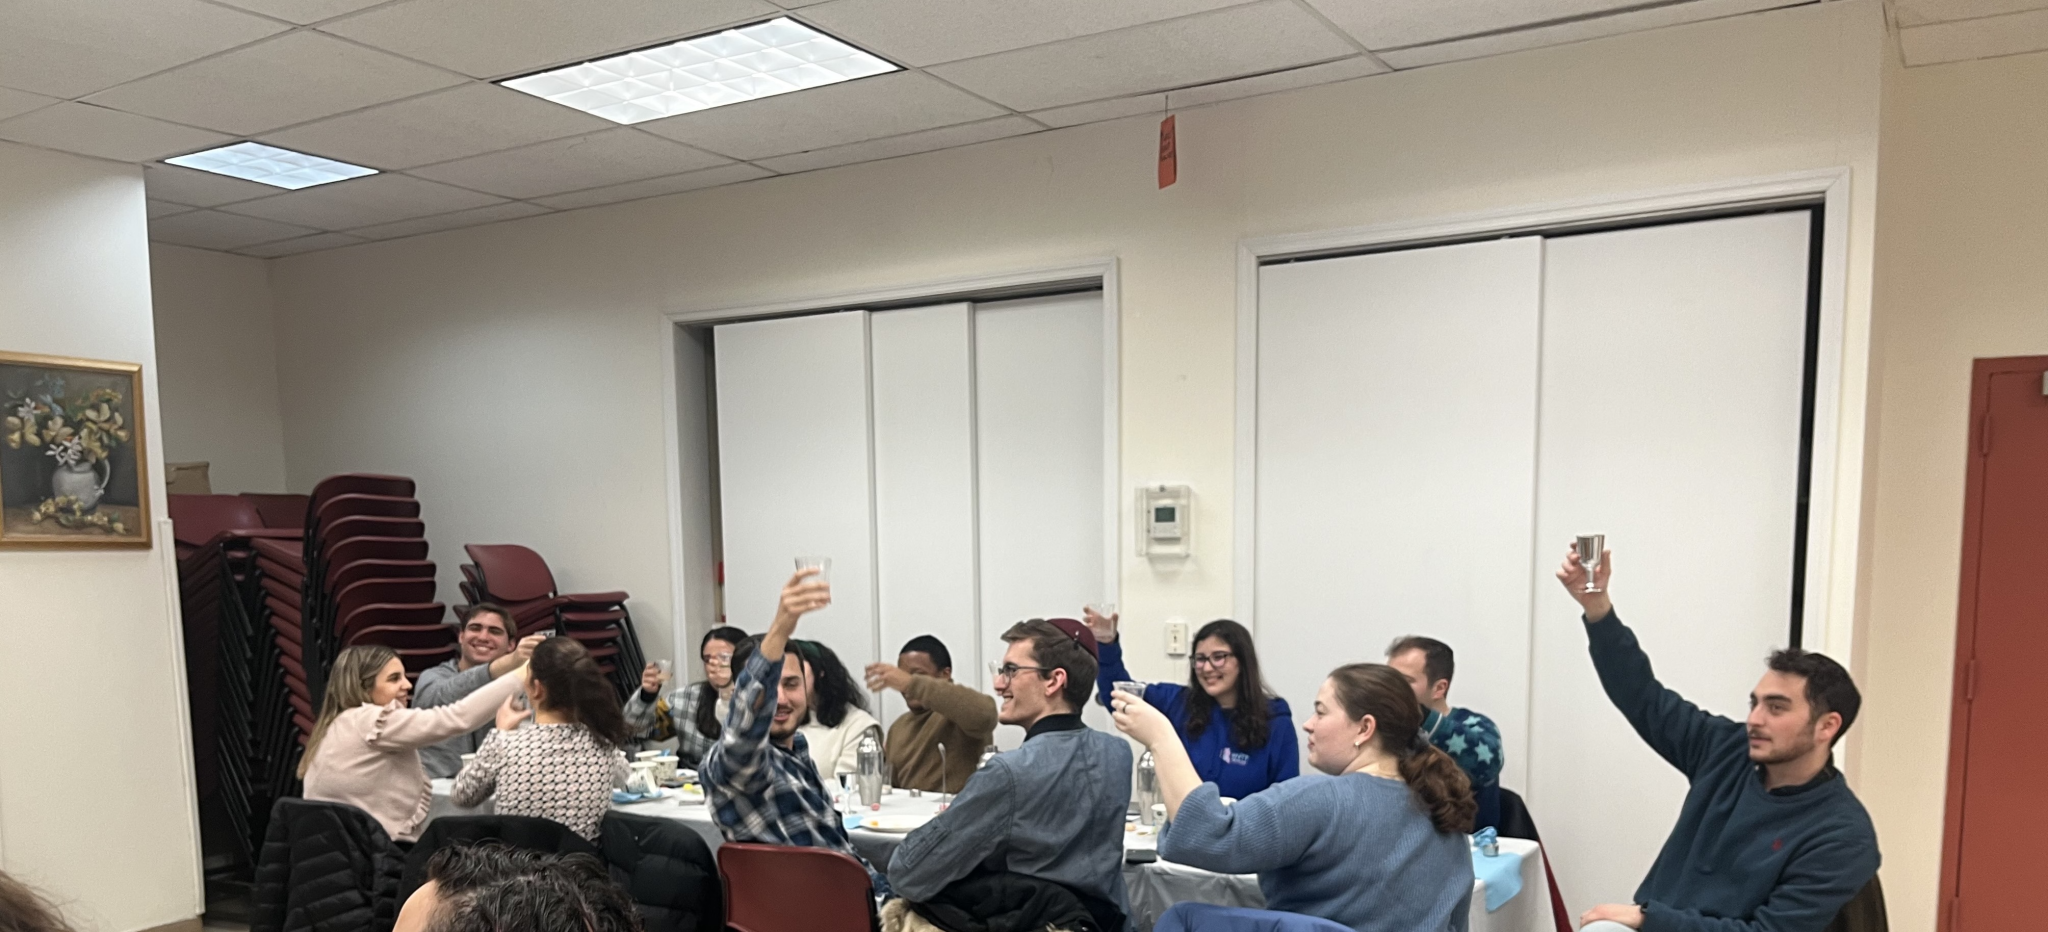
x=73 y=473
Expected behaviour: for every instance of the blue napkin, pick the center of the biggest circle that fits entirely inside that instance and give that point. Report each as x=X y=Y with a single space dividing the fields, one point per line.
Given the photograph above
x=1502 y=873
x=621 y=796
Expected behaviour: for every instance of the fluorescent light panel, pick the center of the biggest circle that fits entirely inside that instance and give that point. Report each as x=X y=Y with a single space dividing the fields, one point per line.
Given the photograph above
x=271 y=165
x=746 y=63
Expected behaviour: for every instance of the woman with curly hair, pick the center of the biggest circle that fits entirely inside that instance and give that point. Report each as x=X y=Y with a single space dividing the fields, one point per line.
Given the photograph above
x=839 y=712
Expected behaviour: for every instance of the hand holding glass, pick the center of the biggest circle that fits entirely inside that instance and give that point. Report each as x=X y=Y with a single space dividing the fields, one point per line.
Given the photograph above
x=1590 y=547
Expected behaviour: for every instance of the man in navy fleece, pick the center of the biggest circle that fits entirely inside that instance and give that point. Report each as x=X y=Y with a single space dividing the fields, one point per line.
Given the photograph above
x=1770 y=838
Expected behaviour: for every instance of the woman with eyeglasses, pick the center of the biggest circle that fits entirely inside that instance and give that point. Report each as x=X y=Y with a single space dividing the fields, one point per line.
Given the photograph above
x=1242 y=754
x=690 y=715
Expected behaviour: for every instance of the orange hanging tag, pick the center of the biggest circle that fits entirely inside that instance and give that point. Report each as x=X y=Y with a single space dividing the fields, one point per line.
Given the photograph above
x=1169 y=154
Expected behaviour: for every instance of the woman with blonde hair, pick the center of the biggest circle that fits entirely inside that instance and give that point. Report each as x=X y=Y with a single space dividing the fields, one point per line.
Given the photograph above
x=365 y=748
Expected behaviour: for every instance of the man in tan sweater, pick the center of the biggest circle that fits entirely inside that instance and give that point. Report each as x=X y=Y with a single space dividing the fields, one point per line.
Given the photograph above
x=942 y=712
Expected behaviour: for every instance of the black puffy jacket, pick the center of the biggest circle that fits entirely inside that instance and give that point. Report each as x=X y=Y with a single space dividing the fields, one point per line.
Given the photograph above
x=667 y=870
x=325 y=867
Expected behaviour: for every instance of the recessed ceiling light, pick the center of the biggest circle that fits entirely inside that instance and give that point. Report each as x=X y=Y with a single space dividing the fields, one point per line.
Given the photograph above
x=747 y=63
x=271 y=165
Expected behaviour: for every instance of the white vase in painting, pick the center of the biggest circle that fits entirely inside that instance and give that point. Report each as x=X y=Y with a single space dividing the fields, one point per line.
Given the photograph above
x=81 y=481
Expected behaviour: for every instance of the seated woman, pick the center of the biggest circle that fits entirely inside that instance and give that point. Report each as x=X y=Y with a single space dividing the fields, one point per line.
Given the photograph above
x=565 y=766
x=365 y=748
x=692 y=714
x=1241 y=754
x=1380 y=848
x=839 y=713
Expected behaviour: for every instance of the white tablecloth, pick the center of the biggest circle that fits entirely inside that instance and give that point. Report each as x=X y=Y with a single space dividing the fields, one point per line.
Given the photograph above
x=1152 y=886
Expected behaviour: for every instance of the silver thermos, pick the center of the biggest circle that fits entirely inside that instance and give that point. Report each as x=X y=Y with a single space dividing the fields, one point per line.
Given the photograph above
x=1148 y=789
x=868 y=769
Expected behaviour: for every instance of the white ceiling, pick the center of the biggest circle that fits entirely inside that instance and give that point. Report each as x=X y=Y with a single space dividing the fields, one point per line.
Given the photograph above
x=404 y=86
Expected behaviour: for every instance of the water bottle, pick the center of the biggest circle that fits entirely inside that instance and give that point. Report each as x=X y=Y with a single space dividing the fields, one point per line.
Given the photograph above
x=868 y=769
x=1148 y=790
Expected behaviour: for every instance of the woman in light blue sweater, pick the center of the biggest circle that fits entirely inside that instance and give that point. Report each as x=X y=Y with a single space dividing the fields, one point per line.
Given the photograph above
x=1379 y=847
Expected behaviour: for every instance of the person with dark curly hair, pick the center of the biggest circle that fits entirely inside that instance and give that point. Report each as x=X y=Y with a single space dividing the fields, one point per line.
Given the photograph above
x=494 y=887
x=839 y=712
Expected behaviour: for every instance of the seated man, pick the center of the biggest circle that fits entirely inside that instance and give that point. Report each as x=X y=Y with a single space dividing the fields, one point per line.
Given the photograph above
x=487 y=653
x=758 y=777
x=943 y=714
x=1467 y=736
x=1051 y=811
x=1770 y=838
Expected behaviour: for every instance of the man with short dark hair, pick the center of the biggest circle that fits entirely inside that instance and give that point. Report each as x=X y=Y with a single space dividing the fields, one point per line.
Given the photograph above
x=1770 y=838
x=486 y=653
x=1048 y=815
x=1468 y=737
x=494 y=887
x=943 y=714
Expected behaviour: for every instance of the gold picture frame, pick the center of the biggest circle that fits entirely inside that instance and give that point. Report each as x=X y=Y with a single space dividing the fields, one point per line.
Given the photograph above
x=74 y=459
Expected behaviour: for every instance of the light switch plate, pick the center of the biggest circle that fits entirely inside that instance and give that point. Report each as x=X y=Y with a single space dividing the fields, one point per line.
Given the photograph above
x=1176 y=638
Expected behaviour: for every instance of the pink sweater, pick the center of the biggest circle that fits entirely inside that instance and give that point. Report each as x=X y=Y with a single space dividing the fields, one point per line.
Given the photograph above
x=370 y=757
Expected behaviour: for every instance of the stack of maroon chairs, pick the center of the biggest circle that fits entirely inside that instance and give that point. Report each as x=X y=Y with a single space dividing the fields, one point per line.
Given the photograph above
x=518 y=579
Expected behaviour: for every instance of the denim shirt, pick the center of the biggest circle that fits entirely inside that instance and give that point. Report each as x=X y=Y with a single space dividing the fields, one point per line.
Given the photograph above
x=1052 y=809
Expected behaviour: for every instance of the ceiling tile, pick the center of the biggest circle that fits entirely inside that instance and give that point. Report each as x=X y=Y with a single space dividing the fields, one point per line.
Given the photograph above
x=157 y=209
x=1575 y=31
x=361 y=202
x=107 y=134
x=463 y=121
x=211 y=229
x=1974 y=38
x=290 y=79
x=945 y=137
x=1343 y=69
x=451 y=221
x=14 y=103
x=499 y=38
x=303 y=11
x=870 y=108
x=656 y=187
x=70 y=48
x=927 y=32
x=1231 y=43
x=292 y=247
x=601 y=158
x=1388 y=24
x=1923 y=12
x=197 y=188
x=1100 y=110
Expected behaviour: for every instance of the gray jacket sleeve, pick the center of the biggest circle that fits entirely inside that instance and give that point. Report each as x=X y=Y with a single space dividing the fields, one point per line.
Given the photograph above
x=949 y=847
x=448 y=688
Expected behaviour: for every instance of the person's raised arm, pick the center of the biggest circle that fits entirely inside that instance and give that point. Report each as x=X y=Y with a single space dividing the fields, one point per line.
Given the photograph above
x=972 y=710
x=1170 y=762
x=412 y=729
x=1680 y=732
x=738 y=762
x=1109 y=666
x=647 y=713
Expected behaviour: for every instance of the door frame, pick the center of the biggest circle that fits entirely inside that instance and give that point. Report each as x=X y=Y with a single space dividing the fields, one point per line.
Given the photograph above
x=1089 y=272
x=1833 y=512
x=1981 y=371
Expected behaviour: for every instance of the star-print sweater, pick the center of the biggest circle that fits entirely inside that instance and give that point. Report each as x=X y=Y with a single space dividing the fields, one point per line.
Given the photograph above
x=1470 y=738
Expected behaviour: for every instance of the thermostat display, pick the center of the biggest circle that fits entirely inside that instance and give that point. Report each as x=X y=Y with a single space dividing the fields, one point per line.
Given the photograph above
x=1163 y=514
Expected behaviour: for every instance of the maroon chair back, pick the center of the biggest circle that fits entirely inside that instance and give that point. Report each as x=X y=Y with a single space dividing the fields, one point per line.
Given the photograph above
x=355 y=484
x=196 y=519
x=341 y=577
x=758 y=879
x=424 y=614
x=511 y=573
x=407 y=637
x=383 y=592
x=366 y=506
x=373 y=548
x=358 y=526
x=280 y=511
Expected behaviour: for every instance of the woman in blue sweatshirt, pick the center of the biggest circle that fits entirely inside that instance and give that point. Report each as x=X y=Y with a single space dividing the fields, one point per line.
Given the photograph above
x=1241 y=754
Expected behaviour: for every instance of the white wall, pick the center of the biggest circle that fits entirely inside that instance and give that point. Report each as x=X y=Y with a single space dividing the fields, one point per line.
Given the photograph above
x=516 y=369
x=217 y=348
x=92 y=670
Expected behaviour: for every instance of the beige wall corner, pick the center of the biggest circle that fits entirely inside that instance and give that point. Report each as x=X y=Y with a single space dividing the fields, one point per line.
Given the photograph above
x=217 y=349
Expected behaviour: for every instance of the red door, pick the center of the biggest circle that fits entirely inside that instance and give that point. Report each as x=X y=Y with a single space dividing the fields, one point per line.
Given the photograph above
x=1998 y=744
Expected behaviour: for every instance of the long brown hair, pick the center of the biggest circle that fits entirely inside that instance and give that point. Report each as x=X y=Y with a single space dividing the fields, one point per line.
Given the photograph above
x=574 y=686
x=24 y=909
x=1381 y=691
x=1248 y=727
x=350 y=683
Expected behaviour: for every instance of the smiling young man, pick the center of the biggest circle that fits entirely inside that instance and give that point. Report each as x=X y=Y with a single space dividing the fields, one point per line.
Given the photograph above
x=759 y=777
x=943 y=714
x=487 y=652
x=1048 y=813
x=1770 y=838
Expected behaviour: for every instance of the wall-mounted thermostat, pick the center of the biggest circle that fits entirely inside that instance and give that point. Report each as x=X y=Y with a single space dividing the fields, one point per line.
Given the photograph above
x=1163 y=516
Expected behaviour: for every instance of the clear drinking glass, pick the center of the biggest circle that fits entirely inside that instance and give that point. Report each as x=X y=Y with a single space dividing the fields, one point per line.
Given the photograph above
x=1135 y=688
x=1590 y=548
x=822 y=564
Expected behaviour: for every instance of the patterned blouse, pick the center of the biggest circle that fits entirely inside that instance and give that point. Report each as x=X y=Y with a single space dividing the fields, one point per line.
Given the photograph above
x=558 y=772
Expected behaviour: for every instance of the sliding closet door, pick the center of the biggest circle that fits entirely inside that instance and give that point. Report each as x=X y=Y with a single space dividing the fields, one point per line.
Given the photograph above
x=1396 y=445
x=1039 y=398
x=923 y=361
x=794 y=475
x=1672 y=385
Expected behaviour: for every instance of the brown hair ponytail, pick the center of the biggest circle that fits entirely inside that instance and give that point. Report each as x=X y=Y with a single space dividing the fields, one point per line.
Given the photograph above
x=576 y=687
x=1382 y=692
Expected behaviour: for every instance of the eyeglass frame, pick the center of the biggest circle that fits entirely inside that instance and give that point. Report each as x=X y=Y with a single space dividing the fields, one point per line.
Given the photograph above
x=1213 y=661
x=995 y=670
x=717 y=660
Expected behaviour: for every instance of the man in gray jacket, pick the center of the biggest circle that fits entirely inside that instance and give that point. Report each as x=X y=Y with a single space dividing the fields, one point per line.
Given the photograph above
x=1052 y=810
x=487 y=652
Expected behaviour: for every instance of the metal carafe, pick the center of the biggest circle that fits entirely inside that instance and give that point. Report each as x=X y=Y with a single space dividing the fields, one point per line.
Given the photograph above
x=1148 y=789
x=868 y=769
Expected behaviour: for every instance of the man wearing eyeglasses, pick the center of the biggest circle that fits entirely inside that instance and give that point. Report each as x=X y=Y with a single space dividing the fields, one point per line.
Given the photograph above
x=1043 y=823
x=486 y=653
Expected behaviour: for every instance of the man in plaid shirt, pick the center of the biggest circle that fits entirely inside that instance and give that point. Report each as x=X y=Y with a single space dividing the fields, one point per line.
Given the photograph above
x=759 y=777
